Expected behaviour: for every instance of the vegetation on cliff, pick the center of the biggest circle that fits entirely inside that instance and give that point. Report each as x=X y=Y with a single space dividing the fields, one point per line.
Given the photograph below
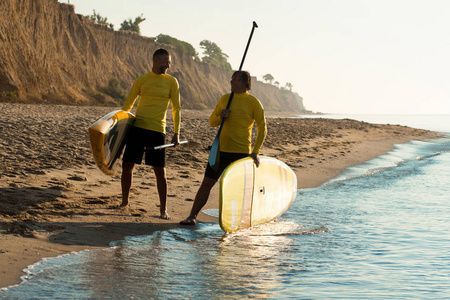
x=184 y=47
x=132 y=25
x=214 y=55
x=125 y=25
x=97 y=18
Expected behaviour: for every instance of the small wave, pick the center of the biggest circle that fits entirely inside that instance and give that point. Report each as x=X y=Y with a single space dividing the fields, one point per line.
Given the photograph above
x=403 y=153
x=278 y=228
x=43 y=264
x=429 y=156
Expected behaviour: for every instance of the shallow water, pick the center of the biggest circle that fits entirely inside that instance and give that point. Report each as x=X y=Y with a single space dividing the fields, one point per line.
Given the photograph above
x=377 y=231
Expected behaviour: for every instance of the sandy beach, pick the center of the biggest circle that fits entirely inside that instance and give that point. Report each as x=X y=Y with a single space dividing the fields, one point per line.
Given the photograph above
x=54 y=200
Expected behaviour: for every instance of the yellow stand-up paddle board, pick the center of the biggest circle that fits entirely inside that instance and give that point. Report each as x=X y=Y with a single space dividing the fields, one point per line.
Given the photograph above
x=107 y=136
x=251 y=196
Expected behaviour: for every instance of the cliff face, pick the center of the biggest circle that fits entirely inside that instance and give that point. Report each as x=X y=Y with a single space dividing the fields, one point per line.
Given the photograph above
x=49 y=54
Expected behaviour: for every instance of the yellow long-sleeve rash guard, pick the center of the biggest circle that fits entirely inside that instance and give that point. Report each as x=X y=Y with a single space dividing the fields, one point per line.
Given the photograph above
x=155 y=92
x=245 y=110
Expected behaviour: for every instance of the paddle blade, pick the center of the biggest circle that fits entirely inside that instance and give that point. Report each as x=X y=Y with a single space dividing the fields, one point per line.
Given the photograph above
x=214 y=157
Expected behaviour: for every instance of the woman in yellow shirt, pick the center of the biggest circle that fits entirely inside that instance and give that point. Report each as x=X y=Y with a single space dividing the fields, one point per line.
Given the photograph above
x=155 y=91
x=235 y=139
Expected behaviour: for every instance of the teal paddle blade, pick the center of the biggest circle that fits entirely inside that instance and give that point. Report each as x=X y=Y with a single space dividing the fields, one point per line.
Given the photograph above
x=214 y=154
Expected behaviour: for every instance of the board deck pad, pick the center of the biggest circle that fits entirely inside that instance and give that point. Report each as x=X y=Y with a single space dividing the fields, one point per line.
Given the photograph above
x=251 y=195
x=107 y=136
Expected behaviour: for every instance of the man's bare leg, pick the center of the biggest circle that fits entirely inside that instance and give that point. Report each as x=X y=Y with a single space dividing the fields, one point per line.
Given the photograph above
x=161 y=183
x=200 y=200
x=126 y=181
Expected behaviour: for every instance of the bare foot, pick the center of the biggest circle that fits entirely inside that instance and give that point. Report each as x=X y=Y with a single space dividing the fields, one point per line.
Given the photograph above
x=165 y=216
x=189 y=221
x=123 y=206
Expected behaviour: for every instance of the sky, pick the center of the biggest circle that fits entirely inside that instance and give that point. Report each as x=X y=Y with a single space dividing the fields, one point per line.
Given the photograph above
x=347 y=56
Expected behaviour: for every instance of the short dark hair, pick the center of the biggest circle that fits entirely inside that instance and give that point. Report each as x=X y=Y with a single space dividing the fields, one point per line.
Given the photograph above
x=160 y=52
x=246 y=78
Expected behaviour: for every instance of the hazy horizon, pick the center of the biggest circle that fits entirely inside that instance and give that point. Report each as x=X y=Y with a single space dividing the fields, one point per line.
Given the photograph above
x=351 y=56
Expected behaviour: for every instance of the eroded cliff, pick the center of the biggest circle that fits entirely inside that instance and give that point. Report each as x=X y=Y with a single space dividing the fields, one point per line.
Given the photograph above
x=49 y=54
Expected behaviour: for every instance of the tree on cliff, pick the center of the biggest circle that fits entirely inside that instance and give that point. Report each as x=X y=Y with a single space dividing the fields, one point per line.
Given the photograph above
x=268 y=77
x=97 y=18
x=184 y=47
x=214 y=55
x=132 y=26
x=289 y=86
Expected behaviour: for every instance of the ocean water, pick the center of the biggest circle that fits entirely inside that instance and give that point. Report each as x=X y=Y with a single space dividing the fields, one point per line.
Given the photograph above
x=379 y=230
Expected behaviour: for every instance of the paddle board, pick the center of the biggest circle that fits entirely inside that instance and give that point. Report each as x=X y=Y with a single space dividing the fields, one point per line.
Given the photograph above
x=107 y=136
x=250 y=196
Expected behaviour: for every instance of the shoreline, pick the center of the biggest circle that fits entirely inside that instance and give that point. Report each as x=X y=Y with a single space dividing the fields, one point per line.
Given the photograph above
x=55 y=200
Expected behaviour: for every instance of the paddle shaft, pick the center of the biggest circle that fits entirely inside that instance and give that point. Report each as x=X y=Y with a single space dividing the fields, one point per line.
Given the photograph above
x=240 y=68
x=214 y=153
x=167 y=145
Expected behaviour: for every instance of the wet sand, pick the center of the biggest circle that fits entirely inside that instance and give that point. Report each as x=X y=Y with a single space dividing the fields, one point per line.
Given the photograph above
x=54 y=200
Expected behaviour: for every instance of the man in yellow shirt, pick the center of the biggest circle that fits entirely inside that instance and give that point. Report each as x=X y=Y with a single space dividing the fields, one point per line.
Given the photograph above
x=155 y=91
x=235 y=139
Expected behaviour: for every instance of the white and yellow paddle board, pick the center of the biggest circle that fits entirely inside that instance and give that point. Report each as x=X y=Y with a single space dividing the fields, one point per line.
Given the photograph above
x=107 y=136
x=250 y=196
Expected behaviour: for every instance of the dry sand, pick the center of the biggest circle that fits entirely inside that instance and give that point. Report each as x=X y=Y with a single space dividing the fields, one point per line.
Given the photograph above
x=54 y=200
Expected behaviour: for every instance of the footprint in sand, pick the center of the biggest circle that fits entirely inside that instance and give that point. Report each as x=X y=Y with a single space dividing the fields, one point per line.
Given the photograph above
x=77 y=178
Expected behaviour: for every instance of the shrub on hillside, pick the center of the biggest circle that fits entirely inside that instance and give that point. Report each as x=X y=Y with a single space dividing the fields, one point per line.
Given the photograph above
x=114 y=90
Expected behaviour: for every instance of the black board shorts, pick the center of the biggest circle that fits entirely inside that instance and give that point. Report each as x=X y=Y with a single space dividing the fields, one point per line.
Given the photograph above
x=226 y=158
x=140 y=141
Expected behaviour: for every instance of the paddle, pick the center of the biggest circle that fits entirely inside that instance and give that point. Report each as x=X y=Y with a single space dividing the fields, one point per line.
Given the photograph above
x=214 y=156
